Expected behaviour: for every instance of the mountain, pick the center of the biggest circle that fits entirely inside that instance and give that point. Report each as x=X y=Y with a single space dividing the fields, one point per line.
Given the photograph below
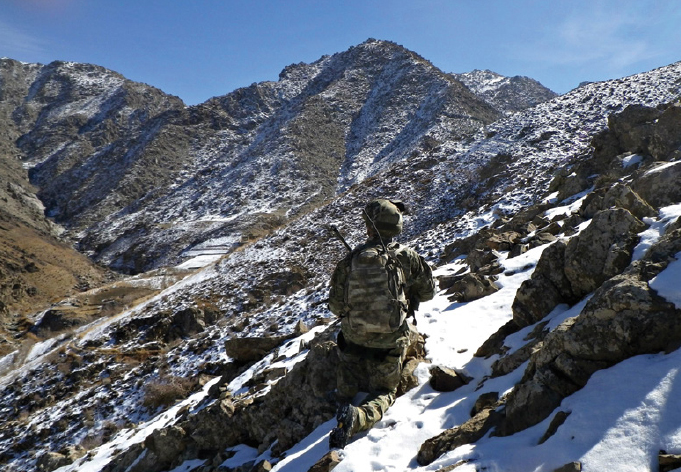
x=506 y=94
x=177 y=176
x=550 y=279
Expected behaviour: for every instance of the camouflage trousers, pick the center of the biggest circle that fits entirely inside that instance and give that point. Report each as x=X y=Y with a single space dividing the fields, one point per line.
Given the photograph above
x=377 y=375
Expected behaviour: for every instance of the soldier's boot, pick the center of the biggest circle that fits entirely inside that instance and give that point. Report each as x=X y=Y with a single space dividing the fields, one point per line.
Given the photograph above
x=348 y=419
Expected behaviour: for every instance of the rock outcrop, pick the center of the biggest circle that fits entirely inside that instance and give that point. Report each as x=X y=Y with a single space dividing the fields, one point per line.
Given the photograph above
x=624 y=316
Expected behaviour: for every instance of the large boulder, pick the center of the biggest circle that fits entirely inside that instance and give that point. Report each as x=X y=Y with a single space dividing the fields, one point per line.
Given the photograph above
x=547 y=288
x=602 y=250
x=660 y=185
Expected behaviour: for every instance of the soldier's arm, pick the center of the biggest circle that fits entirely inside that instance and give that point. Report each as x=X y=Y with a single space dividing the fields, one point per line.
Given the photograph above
x=423 y=284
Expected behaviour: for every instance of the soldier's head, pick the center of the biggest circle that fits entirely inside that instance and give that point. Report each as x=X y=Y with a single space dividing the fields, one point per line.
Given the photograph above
x=384 y=216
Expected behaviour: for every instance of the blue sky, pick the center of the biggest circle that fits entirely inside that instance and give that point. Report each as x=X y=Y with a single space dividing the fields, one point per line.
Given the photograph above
x=197 y=49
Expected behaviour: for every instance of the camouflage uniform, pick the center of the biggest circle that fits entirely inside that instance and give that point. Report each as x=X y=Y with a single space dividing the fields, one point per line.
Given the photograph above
x=372 y=362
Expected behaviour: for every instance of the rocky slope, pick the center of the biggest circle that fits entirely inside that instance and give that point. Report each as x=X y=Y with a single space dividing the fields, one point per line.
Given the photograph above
x=36 y=267
x=233 y=333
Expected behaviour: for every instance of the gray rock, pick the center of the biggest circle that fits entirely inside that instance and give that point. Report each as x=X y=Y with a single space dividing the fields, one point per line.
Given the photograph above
x=469 y=432
x=660 y=185
x=251 y=349
x=51 y=461
x=444 y=379
x=327 y=463
x=601 y=251
x=471 y=287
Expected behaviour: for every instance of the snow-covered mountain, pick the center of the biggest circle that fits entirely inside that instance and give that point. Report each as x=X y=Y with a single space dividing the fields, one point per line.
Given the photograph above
x=138 y=178
x=507 y=94
x=214 y=369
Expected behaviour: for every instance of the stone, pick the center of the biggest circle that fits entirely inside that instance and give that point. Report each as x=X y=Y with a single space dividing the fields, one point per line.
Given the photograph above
x=262 y=466
x=602 y=250
x=547 y=287
x=327 y=463
x=661 y=185
x=622 y=319
x=622 y=196
x=668 y=462
x=570 y=467
x=541 y=239
x=556 y=423
x=471 y=287
x=478 y=258
x=251 y=349
x=517 y=250
x=485 y=401
x=51 y=461
x=468 y=433
x=166 y=443
x=503 y=241
x=444 y=379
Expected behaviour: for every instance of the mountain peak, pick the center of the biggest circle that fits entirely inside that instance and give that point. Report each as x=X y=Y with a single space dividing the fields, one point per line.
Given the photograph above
x=507 y=94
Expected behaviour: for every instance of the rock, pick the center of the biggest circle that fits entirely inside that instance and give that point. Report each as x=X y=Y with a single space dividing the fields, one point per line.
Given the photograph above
x=166 y=443
x=622 y=196
x=327 y=463
x=601 y=251
x=471 y=287
x=668 y=462
x=485 y=401
x=494 y=344
x=51 y=461
x=444 y=379
x=262 y=466
x=571 y=467
x=623 y=318
x=469 y=432
x=478 y=258
x=540 y=239
x=301 y=328
x=251 y=349
x=517 y=250
x=547 y=287
x=661 y=185
x=556 y=423
x=553 y=229
x=503 y=241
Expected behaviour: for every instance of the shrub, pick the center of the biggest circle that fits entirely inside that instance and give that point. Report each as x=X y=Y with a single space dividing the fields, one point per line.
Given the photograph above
x=165 y=391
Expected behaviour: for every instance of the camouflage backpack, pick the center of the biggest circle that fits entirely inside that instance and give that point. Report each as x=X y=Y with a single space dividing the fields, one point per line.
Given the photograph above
x=375 y=300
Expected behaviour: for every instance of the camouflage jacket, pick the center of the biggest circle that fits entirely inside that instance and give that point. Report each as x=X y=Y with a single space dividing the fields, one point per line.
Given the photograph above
x=420 y=286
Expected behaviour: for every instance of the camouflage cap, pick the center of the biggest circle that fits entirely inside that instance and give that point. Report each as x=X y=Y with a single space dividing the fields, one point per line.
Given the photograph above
x=385 y=215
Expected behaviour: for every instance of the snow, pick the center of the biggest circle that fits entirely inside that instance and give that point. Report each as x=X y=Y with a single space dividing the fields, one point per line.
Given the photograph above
x=569 y=208
x=662 y=167
x=668 y=282
x=657 y=227
x=631 y=160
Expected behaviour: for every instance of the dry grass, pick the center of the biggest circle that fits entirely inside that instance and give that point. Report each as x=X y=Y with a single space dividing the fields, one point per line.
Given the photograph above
x=165 y=391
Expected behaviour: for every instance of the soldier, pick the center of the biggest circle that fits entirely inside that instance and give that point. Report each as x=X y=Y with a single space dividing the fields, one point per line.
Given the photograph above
x=372 y=290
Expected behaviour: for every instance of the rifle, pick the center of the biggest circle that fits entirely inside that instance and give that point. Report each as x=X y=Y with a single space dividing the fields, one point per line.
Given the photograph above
x=338 y=234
